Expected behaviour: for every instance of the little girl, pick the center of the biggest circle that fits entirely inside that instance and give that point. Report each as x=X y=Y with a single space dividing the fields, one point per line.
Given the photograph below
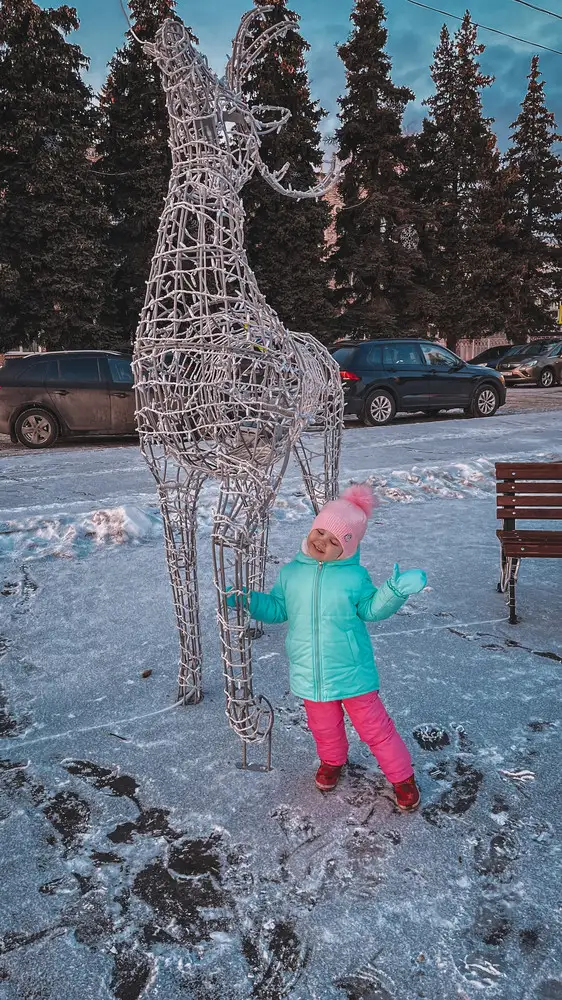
x=327 y=596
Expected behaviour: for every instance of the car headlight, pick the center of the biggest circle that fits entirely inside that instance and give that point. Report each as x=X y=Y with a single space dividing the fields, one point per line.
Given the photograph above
x=531 y=364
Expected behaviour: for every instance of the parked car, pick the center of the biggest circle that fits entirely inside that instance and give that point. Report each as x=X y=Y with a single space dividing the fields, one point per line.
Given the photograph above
x=535 y=364
x=44 y=397
x=383 y=377
x=492 y=357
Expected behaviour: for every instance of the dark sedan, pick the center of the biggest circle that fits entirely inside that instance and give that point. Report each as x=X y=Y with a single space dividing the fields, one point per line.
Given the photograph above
x=492 y=357
x=383 y=377
x=44 y=397
x=534 y=364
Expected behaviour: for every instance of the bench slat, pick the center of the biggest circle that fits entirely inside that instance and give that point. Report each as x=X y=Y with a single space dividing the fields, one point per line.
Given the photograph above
x=529 y=470
x=530 y=513
x=528 y=552
x=521 y=552
x=513 y=503
x=524 y=489
x=528 y=534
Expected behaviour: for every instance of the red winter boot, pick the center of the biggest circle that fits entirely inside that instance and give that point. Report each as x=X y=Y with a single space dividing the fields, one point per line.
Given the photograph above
x=407 y=794
x=327 y=776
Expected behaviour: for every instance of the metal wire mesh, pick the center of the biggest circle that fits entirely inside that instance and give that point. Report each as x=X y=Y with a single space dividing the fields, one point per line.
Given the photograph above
x=223 y=389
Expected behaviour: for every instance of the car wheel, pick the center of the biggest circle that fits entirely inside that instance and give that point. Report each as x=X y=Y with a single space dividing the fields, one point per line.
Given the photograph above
x=546 y=380
x=36 y=428
x=379 y=408
x=486 y=402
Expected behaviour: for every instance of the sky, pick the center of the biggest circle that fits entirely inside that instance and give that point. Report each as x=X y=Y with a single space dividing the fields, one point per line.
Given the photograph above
x=413 y=35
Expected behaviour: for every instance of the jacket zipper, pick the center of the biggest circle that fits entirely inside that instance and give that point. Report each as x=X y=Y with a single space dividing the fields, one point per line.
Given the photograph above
x=316 y=631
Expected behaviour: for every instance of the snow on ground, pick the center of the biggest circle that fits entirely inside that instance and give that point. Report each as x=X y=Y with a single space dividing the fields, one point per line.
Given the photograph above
x=138 y=861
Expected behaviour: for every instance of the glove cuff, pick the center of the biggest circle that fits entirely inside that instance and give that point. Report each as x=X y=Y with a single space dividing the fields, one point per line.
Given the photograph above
x=395 y=591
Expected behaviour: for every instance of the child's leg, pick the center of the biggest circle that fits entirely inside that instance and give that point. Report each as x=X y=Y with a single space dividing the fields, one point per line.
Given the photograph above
x=326 y=723
x=377 y=730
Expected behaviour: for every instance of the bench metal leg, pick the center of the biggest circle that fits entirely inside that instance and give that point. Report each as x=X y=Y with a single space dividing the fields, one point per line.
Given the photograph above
x=513 y=619
x=505 y=569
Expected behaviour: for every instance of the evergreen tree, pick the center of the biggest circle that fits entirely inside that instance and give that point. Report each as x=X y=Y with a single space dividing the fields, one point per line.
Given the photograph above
x=469 y=246
x=51 y=218
x=285 y=239
x=536 y=192
x=134 y=165
x=377 y=265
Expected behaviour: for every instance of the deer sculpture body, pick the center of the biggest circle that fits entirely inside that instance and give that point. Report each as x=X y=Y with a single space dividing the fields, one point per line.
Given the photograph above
x=223 y=390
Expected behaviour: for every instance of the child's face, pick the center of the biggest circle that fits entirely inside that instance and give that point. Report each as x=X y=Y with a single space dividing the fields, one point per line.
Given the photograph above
x=322 y=545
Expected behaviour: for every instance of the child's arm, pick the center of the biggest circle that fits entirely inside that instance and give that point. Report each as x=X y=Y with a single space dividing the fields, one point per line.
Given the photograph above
x=269 y=608
x=376 y=605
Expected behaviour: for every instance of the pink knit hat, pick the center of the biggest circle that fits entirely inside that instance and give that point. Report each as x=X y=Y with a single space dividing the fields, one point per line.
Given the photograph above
x=347 y=517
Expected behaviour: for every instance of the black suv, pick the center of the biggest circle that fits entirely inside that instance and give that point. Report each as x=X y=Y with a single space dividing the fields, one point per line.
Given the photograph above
x=66 y=393
x=382 y=377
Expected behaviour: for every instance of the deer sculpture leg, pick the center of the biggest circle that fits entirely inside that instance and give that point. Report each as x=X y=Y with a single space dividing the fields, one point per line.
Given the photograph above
x=318 y=450
x=238 y=539
x=178 y=503
x=258 y=566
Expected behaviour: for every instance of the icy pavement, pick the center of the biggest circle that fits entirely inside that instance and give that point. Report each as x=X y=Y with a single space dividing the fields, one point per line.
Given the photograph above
x=139 y=862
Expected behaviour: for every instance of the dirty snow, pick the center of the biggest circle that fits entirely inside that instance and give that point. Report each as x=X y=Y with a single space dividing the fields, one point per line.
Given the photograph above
x=139 y=862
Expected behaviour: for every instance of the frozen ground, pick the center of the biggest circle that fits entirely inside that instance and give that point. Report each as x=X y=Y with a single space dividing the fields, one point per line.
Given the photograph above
x=139 y=862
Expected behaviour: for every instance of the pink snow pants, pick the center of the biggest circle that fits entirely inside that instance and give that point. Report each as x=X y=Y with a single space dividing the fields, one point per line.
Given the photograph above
x=374 y=726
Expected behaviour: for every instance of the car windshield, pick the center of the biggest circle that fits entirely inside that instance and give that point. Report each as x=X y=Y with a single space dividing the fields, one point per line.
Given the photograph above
x=532 y=350
x=490 y=355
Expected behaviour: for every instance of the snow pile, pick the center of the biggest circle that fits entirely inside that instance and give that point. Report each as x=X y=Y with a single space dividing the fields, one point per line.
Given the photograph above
x=68 y=535
x=474 y=479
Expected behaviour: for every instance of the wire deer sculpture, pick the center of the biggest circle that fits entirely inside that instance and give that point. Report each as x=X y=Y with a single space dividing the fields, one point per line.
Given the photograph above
x=223 y=390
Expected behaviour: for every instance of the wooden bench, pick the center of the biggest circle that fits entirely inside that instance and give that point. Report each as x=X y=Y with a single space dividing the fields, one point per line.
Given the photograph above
x=527 y=491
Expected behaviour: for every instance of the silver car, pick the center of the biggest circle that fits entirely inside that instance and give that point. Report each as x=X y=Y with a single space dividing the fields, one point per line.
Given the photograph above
x=534 y=364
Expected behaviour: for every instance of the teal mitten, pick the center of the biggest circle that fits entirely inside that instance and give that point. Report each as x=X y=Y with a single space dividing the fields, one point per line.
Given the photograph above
x=412 y=581
x=231 y=597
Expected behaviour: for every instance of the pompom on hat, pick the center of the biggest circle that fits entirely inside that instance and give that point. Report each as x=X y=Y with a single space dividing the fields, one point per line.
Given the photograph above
x=346 y=518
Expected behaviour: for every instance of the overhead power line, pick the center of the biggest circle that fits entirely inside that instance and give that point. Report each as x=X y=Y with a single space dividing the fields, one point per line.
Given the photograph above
x=542 y=10
x=484 y=27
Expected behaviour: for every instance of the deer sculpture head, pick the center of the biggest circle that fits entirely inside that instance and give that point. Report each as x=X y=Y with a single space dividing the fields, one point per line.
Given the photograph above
x=213 y=128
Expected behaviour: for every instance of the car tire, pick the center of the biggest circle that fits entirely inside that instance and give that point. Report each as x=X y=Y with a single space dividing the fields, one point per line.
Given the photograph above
x=379 y=408
x=36 y=428
x=485 y=403
x=547 y=378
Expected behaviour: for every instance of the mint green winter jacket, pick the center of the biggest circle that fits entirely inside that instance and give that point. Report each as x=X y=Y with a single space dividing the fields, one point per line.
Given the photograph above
x=326 y=605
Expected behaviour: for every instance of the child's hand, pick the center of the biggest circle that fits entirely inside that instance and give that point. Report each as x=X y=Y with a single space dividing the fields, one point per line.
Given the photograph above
x=231 y=597
x=412 y=581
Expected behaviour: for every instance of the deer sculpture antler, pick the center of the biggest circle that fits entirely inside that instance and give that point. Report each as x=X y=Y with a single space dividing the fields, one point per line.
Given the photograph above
x=274 y=179
x=244 y=57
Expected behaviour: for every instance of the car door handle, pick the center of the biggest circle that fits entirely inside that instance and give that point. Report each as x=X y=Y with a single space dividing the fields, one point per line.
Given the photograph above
x=61 y=392
x=122 y=395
